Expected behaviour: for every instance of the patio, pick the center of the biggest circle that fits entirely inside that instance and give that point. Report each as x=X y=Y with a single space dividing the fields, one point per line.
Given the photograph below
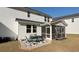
x=35 y=41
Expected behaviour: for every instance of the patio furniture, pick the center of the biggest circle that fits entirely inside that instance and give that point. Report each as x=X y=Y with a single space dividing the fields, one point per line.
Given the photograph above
x=34 y=39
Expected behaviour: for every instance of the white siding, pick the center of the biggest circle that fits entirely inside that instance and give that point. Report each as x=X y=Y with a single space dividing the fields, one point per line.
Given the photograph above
x=23 y=34
x=35 y=17
x=73 y=27
x=39 y=31
x=50 y=19
x=8 y=17
x=21 y=31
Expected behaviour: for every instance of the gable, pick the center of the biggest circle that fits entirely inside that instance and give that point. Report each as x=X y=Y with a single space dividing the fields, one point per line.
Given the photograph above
x=60 y=24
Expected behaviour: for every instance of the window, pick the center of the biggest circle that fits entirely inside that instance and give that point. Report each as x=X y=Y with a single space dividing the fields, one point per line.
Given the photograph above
x=48 y=30
x=34 y=29
x=48 y=19
x=72 y=19
x=31 y=29
x=28 y=29
x=45 y=19
x=62 y=29
x=28 y=14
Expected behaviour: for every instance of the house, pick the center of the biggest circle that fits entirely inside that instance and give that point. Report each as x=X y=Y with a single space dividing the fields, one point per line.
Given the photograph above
x=19 y=22
x=72 y=21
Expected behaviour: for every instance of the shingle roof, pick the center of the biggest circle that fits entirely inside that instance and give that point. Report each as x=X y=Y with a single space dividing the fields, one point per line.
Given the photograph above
x=67 y=16
x=26 y=9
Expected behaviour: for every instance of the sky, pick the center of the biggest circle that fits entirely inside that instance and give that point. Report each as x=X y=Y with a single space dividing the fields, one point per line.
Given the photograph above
x=57 y=11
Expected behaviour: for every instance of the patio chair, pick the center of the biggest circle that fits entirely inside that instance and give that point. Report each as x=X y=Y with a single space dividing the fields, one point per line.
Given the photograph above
x=31 y=41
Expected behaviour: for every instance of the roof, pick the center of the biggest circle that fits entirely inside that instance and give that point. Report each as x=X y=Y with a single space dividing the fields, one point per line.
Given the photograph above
x=18 y=19
x=27 y=9
x=76 y=15
x=36 y=22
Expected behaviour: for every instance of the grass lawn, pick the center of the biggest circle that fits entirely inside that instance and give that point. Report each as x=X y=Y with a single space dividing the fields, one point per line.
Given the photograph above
x=71 y=44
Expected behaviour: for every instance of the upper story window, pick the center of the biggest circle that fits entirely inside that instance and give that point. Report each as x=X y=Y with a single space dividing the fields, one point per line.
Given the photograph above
x=45 y=19
x=28 y=14
x=72 y=19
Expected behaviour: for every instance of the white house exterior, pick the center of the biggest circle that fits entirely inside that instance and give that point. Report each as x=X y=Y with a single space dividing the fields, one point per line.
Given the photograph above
x=72 y=27
x=9 y=27
x=19 y=22
x=72 y=23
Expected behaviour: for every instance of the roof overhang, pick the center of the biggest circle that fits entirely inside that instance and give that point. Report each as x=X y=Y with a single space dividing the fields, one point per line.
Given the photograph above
x=54 y=23
x=27 y=9
x=45 y=24
x=25 y=21
x=76 y=15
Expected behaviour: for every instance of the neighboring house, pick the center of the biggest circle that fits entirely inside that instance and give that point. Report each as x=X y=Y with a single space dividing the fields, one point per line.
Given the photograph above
x=19 y=22
x=72 y=23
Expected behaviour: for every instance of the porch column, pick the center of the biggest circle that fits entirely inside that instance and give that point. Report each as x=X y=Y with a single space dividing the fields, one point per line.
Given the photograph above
x=50 y=32
x=65 y=32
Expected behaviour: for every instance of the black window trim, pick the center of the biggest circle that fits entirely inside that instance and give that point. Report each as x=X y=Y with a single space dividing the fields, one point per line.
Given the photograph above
x=34 y=28
x=45 y=18
x=72 y=19
x=31 y=29
x=28 y=29
x=28 y=14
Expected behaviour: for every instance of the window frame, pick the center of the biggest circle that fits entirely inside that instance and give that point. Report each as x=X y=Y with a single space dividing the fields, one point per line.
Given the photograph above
x=27 y=29
x=34 y=28
x=72 y=19
x=31 y=29
x=45 y=18
x=28 y=14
